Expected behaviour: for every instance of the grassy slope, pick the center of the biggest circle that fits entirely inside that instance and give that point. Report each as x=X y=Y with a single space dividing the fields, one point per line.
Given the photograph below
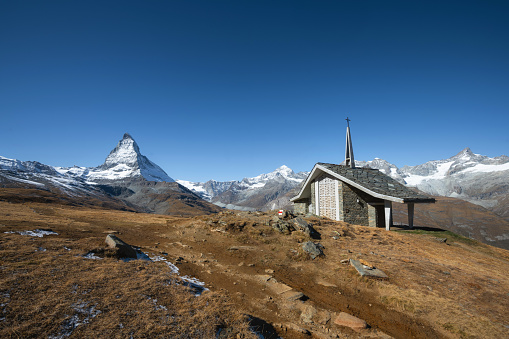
x=434 y=289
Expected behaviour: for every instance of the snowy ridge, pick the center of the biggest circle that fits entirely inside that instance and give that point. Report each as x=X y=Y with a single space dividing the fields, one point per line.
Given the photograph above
x=212 y=188
x=472 y=177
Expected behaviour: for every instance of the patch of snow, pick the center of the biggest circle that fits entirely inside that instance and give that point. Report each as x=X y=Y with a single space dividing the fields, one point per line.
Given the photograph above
x=24 y=181
x=5 y=297
x=91 y=255
x=156 y=306
x=196 y=285
x=504 y=236
x=83 y=315
x=174 y=269
x=480 y=168
x=234 y=207
x=35 y=233
x=441 y=172
x=193 y=186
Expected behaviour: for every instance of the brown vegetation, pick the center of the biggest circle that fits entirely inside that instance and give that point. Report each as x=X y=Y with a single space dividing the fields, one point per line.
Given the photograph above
x=453 y=289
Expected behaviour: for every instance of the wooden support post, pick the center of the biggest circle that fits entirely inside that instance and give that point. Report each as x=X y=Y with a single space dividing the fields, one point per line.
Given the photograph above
x=411 y=215
x=388 y=214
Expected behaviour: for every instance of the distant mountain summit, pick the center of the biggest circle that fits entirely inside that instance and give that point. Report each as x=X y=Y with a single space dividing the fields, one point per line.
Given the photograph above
x=124 y=162
x=266 y=191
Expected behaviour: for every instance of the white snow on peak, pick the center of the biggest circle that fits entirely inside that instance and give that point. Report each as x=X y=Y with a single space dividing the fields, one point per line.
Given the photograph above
x=283 y=172
x=481 y=168
x=441 y=172
x=125 y=161
x=193 y=186
x=126 y=152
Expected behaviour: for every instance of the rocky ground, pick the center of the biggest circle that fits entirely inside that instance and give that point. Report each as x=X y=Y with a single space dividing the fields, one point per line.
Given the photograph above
x=262 y=263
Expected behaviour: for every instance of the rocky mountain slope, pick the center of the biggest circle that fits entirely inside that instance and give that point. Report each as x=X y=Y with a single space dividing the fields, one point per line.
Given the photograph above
x=126 y=178
x=264 y=192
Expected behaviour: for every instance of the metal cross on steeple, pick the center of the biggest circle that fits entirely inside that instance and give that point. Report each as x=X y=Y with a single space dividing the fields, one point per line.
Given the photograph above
x=349 y=160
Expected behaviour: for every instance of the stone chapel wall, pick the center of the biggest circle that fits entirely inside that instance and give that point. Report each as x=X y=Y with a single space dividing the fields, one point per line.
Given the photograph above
x=355 y=206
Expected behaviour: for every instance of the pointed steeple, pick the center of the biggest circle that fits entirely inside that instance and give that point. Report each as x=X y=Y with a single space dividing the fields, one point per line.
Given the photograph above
x=349 y=160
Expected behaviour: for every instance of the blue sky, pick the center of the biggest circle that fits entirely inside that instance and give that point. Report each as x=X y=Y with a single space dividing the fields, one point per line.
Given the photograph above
x=231 y=89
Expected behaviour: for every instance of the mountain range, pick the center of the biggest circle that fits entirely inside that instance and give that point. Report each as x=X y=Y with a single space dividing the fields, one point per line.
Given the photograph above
x=128 y=180
x=472 y=177
x=263 y=192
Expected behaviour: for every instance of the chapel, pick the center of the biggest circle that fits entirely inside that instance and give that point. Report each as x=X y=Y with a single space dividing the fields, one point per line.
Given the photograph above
x=356 y=195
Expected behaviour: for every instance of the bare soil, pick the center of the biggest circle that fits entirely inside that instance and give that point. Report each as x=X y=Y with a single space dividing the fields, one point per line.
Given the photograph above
x=456 y=289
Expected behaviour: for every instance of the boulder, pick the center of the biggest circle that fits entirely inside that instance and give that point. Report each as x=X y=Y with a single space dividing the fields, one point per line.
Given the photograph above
x=282 y=226
x=367 y=270
x=307 y=314
x=302 y=225
x=348 y=320
x=123 y=249
x=313 y=249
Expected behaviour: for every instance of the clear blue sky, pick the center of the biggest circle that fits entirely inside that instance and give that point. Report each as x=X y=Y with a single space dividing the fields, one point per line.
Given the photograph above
x=231 y=89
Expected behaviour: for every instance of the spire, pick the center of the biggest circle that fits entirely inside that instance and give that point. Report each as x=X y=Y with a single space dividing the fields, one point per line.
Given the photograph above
x=349 y=160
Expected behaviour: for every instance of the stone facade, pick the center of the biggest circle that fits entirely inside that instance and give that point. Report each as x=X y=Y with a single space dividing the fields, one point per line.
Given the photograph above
x=353 y=204
x=301 y=206
x=355 y=208
x=372 y=216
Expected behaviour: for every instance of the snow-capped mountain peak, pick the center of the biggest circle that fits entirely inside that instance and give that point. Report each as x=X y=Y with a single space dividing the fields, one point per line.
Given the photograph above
x=126 y=152
x=124 y=162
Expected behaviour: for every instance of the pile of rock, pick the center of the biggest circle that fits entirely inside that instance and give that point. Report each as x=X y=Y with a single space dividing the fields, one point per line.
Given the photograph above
x=287 y=223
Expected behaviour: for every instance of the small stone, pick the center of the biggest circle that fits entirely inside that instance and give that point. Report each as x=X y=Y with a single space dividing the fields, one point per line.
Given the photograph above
x=307 y=314
x=313 y=249
x=345 y=261
x=323 y=317
x=269 y=271
x=297 y=329
x=294 y=295
x=348 y=320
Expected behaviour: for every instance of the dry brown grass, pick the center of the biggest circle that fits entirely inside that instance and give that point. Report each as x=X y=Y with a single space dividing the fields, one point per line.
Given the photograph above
x=435 y=290
x=47 y=290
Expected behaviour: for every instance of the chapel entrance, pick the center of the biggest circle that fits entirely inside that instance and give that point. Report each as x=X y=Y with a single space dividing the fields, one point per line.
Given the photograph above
x=327 y=202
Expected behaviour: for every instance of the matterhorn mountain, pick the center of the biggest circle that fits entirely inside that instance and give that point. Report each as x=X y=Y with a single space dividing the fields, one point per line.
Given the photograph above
x=264 y=192
x=125 y=162
x=126 y=178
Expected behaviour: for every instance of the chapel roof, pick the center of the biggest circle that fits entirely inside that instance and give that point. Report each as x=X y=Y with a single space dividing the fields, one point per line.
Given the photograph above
x=375 y=181
x=369 y=180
